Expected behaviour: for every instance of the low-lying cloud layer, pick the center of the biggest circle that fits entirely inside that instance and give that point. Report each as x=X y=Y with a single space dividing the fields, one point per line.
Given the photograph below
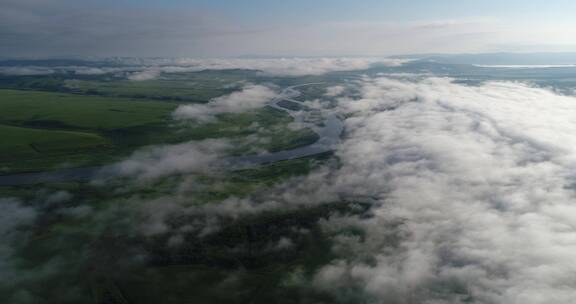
x=481 y=180
x=472 y=188
x=288 y=66
x=147 y=69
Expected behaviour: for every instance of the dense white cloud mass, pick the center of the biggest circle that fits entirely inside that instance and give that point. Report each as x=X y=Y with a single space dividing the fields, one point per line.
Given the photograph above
x=250 y=97
x=480 y=183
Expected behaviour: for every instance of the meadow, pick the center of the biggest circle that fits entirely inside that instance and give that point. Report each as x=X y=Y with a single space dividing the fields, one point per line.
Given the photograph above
x=42 y=129
x=17 y=141
x=197 y=87
x=49 y=130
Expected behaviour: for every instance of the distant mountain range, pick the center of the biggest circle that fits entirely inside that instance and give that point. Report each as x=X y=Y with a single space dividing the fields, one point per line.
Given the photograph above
x=498 y=58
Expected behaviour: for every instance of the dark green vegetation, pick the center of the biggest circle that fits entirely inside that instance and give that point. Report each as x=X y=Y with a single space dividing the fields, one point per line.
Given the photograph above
x=58 y=111
x=95 y=243
x=251 y=257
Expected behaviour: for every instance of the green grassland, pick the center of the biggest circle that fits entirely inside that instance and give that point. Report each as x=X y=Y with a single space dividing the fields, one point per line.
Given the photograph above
x=70 y=111
x=26 y=142
x=45 y=130
x=197 y=87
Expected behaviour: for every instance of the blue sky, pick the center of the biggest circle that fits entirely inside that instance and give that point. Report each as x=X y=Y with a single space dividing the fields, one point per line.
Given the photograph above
x=405 y=10
x=201 y=28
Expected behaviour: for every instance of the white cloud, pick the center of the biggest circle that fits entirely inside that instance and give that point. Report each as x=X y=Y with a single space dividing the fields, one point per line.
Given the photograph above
x=145 y=75
x=140 y=69
x=472 y=190
x=92 y=71
x=152 y=68
x=160 y=161
x=481 y=181
x=288 y=66
x=250 y=97
x=334 y=91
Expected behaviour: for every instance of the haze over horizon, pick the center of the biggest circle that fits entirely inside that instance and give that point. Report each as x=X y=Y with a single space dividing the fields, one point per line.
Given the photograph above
x=224 y=28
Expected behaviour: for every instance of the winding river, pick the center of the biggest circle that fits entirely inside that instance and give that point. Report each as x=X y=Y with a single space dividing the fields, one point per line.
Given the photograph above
x=328 y=127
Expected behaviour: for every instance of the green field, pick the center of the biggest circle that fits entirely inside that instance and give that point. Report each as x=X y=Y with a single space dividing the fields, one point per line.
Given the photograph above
x=41 y=130
x=72 y=111
x=198 y=87
x=46 y=130
x=19 y=142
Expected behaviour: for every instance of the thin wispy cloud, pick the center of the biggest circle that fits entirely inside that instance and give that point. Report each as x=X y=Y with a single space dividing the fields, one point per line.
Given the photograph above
x=61 y=28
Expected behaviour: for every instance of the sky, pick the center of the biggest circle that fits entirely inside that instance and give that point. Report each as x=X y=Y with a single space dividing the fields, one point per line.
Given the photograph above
x=224 y=28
